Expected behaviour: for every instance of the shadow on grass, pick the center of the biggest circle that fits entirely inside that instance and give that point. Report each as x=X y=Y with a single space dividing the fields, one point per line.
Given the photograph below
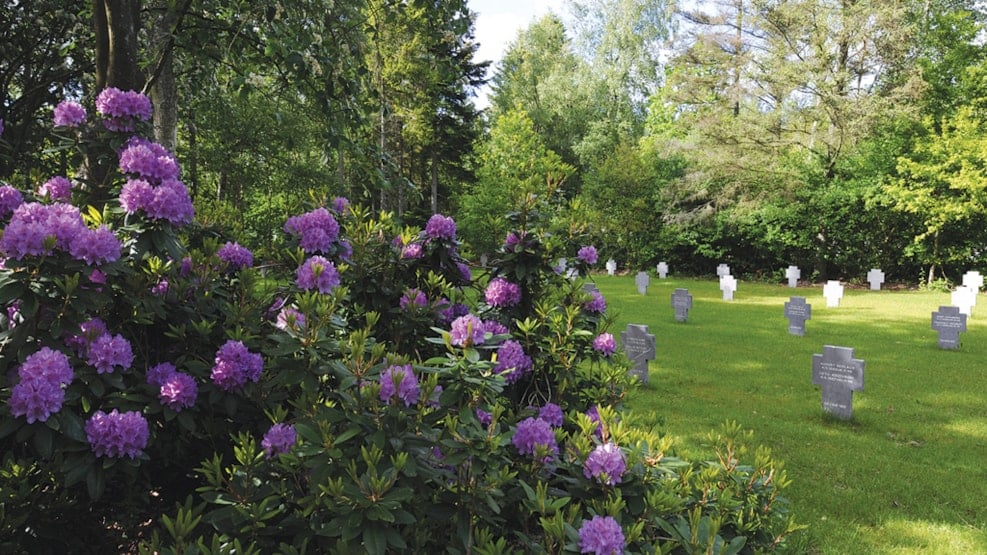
x=905 y=475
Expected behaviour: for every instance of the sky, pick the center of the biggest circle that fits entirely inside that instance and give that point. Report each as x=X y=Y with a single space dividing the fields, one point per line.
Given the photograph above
x=497 y=23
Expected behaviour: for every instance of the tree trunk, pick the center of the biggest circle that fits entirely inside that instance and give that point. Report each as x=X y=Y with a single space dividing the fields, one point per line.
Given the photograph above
x=435 y=182
x=164 y=90
x=116 y=24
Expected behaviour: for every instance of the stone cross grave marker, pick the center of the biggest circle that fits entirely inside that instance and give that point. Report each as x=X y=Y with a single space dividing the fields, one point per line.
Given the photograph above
x=728 y=284
x=483 y=260
x=681 y=304
x=973 y=280
x=839 y=375
x=949 y=322
x=797 y=311
x=833 y=291
x=611 y=267
x=639 y=346
x=643 y=280
x=965 y=298
x=793 y=274
x=875 y=277
x=722 y=270
x=662 y=270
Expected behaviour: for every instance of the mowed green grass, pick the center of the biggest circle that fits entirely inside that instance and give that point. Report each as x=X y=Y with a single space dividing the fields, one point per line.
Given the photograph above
x=907 y=475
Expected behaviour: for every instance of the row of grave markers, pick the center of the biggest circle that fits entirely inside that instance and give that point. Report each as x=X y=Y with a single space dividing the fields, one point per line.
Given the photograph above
x=836 y=370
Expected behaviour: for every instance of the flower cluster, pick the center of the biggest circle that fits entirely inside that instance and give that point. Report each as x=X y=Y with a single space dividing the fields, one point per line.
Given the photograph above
x=606 y=464
x=440 y=227
x=412 y=251
x=446 y=316
x=340 y=205
x=533 y=435
x=502 y=293
x=58 y=189
x=36 y=229
x=290 y=319
x=40 y=392
x=153 y=185
x=605 y=344
x=69 y=114
x=88 y=332
x=399 y=382
x=587 y=255
x=317 y=230
x=235 y=256
x=467 y=330
x=122 y=109
x=280 y=438
x=597 y=304
x=148 y=160
x=177 y=390
x=107 y=351
x=514 y=240
x=601 y=535
x=117 y=434
x=234 y=365
x=512 y=362
x=10 y=199
x=413 y=299
x=317 y=273
x=551 y=413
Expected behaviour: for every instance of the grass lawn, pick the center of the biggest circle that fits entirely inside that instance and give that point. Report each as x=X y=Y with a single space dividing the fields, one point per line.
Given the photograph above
x=907 y=475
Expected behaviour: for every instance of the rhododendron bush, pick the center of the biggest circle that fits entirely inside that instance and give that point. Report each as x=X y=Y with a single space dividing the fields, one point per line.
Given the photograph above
x=362 y=389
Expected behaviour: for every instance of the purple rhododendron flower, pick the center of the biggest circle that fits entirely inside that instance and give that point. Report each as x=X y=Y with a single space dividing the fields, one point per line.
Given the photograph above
x=512 y=362
x=412 y=251
x=290 y=319
x=235 y=256
x=58 y=188
x=178 y=391
x=605 y=344
x=10 y=199
x=484 y=417
x=601 y=535
x=148 y=161
x=406 y=387
x=532 y=433
x=512 y=241
x=171 y=202
x=597 y=304
x=235 y=365
x=606 y=463
x=160 y=288
x=447 y=316
x=97 y=277
x=69 y=114
x=280 y=438
x=317 y=273
x=88 y=332
x=587 y=255
x=32 y=223
x=136 y=194
x=551 y=413
x=502 y=293
x=159 y=373
x=107 y=351
x=340 y=205
x=121 y=109
x=95 y=246
x=36 y=400
x=467 y=330
x=413 y=299
x=493 y=327
x=440 y=227
x=40 y=392
x=117 y=434
x=317 y=230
